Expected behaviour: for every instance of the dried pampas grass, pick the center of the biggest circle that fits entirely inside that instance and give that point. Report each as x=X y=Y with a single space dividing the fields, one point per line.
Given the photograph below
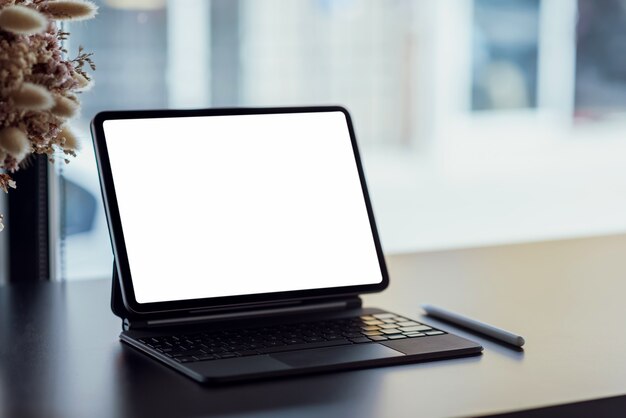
x=70 y=10
x=69 y=142
x=14 y=142
x=32 y=97
x=38 y=82
x=22 y=20
x=6 y=182
x=82 y=83
x=64 y=107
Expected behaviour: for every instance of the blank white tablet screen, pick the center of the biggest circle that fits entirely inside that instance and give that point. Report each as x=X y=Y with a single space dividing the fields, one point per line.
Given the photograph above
x=234 y=205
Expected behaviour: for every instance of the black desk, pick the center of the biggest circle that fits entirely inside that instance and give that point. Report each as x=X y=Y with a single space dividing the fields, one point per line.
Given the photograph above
x=60 y=356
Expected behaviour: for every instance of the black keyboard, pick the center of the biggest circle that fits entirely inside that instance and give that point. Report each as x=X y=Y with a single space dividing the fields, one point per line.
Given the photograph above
x=213 y=345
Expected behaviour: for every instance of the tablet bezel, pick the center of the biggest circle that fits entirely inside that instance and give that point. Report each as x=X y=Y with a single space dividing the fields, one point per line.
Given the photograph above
x=117 y=236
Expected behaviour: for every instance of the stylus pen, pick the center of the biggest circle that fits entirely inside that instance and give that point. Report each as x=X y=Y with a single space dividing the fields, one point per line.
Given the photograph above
x=469 y=323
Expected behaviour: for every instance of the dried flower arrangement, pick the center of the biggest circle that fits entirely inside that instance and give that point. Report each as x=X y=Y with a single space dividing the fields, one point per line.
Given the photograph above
x=38 y=85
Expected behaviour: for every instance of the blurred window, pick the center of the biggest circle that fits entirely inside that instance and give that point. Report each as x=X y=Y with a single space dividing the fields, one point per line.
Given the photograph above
x=505 y=53
x=600 y=59
x=465 y=110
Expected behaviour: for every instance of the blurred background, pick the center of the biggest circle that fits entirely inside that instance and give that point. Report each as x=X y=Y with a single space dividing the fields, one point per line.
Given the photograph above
x=481 y=122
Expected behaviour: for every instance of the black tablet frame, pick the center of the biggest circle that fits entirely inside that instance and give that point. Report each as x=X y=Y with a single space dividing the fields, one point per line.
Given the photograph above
x=207 y=304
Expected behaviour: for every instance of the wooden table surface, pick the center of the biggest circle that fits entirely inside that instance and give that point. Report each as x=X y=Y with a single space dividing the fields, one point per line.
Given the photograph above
x=60 y=356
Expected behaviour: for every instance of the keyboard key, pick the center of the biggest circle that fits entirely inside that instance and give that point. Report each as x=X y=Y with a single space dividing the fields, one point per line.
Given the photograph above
x=244 y=353
x=414 y=334
x=237 y=347
x=408 y=324
x=313 y=339
x=185 y=359
x=177 y=354
x=205 y=357
x=195 y=352
x=367 y=318
x=396 y=337
x=360 y=340
x=389 y=326
x=389 y=321
x=370 y=328
x=227 y=355
x=384 y=316
x=391 y=331
x=435 y=333
x=333 y=337
x=368 y=333
x=378 y=338
x=214 y=350
x=418 y=328
x=374 y=322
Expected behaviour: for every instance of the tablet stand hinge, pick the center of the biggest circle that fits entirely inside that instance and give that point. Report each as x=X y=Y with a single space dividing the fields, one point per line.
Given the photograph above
x=353 y=302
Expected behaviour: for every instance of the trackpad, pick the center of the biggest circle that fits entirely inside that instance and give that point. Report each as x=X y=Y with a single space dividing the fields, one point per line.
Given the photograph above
x=336 y=355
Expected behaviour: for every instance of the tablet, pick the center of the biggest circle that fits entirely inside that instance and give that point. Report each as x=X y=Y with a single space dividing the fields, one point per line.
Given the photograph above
x=217 y=208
